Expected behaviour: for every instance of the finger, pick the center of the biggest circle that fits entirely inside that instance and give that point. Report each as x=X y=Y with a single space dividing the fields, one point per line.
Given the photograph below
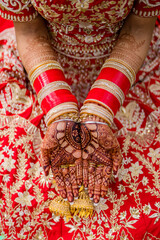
x=91 y=178
x=107 y=170
x=72 y=173
x=79 y=171
x=66 y=177
x=117 y=159
x=98 y=181
x=85 y=173
x=45 y=161
x=57 y=174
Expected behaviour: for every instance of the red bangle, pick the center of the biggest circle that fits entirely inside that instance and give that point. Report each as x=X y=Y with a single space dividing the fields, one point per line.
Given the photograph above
x=116 y=77
x=47 y=77
x=105 y=97
x=57 y=97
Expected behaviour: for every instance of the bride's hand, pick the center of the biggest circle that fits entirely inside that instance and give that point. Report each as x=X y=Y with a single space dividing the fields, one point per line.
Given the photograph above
x=61 y=150
x=101 y=155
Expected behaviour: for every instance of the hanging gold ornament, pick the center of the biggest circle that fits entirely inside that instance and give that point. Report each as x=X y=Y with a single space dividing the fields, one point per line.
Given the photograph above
x=83 y=206
x=60 y=207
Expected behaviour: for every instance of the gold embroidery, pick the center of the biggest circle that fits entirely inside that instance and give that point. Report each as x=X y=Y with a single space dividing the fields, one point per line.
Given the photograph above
x=11 y=8
x=113 y=216
x=148 y=4
x=86 y=32
x=154 y=191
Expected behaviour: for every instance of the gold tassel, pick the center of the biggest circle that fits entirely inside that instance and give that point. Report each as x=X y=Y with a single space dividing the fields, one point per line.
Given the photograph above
x=83 y=206
x=60 y=207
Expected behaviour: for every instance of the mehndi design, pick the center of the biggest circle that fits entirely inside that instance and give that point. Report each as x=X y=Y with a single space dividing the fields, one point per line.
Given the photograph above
x=64 y=144
x=61 y=150
x=100 y=154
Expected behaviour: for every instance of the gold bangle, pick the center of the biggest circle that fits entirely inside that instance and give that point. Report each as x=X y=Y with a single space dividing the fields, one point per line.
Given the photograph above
x=59 y=110
x=51 y=87
x=91 y=117
x=126 y=72
x=99 y=103
x=122 y=67
x=110 y=87
x=40 y=65
x=61 y=107
x=97 y=108
x=123 y=63
x=107 y=120
x=42 y=69
x=98 y=111
x=71 y=114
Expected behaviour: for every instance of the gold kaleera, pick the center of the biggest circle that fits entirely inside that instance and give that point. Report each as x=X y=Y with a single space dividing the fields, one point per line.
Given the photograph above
x=60 y=207
x=83 y=206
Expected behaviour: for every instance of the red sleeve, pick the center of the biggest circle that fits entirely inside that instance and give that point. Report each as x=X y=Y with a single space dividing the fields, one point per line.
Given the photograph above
x=17 y=10
x=146 y=8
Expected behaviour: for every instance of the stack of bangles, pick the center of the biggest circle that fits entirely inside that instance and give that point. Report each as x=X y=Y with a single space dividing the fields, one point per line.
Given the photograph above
x=53 y=92
x=108 y=92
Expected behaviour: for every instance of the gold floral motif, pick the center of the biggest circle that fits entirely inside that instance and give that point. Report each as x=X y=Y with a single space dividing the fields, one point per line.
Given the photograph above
x=150 y=3
x=81 y=4
x=16 y=6
x=91 y=22
x=147 y=5
x=14 y=10
x=155 y=88
x=114 y=218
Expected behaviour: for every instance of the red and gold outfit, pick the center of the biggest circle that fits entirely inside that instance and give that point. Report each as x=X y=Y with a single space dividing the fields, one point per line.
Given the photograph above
x=83 y=35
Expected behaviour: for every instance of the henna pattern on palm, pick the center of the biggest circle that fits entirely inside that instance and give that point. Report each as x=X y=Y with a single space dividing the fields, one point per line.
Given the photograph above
x=61 y=151
x=101 y=155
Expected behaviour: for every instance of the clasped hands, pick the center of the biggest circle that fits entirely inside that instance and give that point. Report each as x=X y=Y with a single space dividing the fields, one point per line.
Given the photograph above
x=80 y=153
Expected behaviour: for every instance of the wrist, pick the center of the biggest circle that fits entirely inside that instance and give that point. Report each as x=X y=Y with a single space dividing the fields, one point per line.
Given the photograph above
x=90 y=117
x=92 y=111
x=108 y=91
x=53 y=92
x=73 y=116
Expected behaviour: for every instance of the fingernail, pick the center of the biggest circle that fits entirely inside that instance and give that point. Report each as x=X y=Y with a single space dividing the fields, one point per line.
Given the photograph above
x=79 y=182
x=91 y=195
x=75 y=193
x=70 y=198
x=63 y=195
x=96 y=199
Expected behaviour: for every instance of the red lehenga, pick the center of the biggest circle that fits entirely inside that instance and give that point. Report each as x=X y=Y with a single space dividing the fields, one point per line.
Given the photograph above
x=83 y=32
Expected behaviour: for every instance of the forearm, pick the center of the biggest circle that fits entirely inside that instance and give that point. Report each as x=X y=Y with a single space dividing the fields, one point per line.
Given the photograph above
x=118 y=73
x=133 y=42
x=44 y=72
x=33 y=43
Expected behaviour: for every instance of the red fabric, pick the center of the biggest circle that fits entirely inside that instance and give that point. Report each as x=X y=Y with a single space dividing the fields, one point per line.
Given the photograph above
x=130 y=211
x=146 y=8
x=5 y=24
x=17 y=10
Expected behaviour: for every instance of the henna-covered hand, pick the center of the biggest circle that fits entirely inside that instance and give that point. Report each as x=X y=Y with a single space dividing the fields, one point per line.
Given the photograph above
x=101 y=155
x=61 y=150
